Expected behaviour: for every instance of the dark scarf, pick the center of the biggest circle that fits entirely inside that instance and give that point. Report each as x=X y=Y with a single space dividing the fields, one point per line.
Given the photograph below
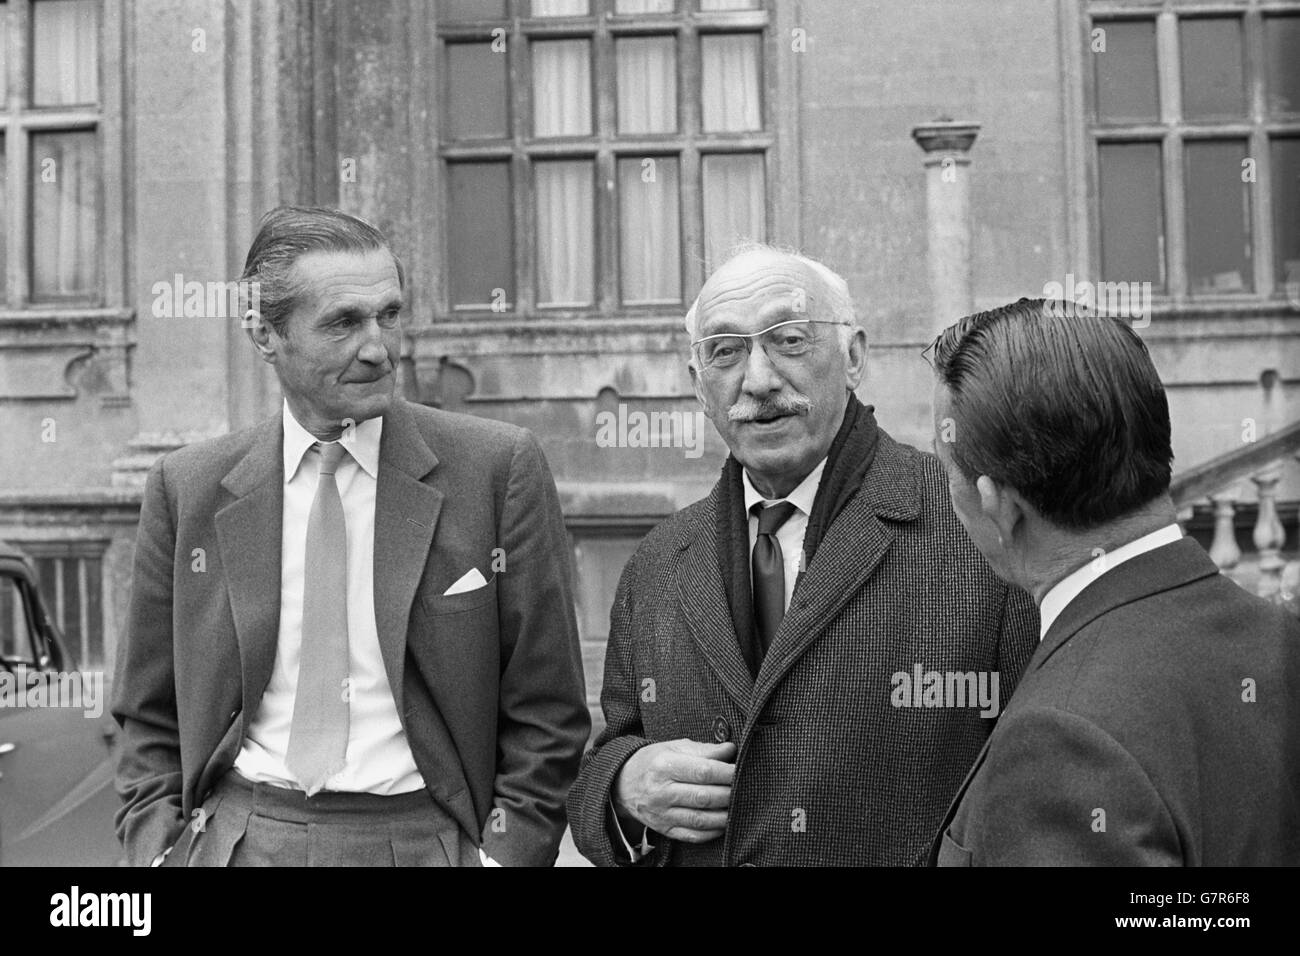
x=847 y=463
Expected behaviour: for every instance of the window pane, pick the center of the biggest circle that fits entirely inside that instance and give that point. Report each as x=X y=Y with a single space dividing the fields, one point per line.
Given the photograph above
x=1212 y=68
x=1282 y=40
x=1126 y=70
x=732 y=100
x=4 y=210
x=1132 y=213
x=473 y=9
x=735 y=207
x=47 y=572
x=1286 y=210
x=560 y=8
x=480 y=256
x=1219 y=252
x=645 y=6
x=72 y=607
x=561 y=88
x=4 y=53
x=650 y=238
x=476 y=91
x=15 y=635
x=95 y=656
x=566 y=233
x=65 y=52
x=647 y=84
x=707 y=5
x=65 y=211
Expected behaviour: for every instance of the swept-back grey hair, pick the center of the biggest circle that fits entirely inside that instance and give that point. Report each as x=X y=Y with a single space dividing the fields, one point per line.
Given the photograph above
x=836 y=305
x=288 y=232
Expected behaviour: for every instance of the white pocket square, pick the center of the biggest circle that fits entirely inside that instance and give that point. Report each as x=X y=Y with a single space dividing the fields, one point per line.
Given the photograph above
x=471 y=580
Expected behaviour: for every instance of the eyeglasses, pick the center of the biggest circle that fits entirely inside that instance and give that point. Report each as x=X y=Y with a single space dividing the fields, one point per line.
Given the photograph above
x=792 y=339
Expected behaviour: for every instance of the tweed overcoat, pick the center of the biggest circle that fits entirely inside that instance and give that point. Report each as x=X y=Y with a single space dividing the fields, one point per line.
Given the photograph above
x=831 y=767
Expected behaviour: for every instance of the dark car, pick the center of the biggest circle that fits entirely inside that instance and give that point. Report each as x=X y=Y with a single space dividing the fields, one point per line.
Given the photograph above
x=56 y=762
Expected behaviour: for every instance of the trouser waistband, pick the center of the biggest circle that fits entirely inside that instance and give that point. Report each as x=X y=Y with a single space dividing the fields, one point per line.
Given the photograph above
x=282 y=803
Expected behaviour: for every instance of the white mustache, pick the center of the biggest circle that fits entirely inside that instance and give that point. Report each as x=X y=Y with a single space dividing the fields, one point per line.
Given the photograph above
x=749 y=408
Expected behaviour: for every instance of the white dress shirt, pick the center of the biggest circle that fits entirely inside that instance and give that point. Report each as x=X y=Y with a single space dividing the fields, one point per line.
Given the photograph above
x=1071 y=586
x=789 y=535
x=379 y=759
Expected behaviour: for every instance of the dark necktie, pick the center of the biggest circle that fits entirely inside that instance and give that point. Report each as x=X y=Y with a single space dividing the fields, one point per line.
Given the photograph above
x=318 y=736
x=769 y=572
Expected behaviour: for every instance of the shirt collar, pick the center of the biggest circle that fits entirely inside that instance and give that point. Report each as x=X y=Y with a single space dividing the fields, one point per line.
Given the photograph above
x=1071 y=586
x=802 y=497
x=362 y=443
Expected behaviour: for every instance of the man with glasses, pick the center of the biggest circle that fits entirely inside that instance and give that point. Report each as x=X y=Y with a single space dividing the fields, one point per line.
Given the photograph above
x=803 y=666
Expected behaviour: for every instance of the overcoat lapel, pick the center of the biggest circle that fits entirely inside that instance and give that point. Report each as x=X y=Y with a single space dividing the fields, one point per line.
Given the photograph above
x=703 y=599
x=851 y=549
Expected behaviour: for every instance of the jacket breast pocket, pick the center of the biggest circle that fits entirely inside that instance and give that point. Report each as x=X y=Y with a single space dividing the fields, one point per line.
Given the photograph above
x=952 y=853
x=455 y=643
x=437 y=605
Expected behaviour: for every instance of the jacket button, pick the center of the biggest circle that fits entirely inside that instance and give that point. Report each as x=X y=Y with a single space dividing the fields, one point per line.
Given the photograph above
x=721 y=729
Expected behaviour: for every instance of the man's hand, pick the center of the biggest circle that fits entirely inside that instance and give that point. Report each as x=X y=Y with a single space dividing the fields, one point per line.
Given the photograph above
x=679 y=788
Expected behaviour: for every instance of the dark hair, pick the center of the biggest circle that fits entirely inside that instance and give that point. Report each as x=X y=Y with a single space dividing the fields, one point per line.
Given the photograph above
x=1062 y=405
x=288 y=232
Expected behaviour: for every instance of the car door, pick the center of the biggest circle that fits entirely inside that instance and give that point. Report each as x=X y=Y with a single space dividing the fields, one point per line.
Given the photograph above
x=56 y=762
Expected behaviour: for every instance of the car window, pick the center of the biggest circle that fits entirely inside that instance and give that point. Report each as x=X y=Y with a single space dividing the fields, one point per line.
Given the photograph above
x=17 y=638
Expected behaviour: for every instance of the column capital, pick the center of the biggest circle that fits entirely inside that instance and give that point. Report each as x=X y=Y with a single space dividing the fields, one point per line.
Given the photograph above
x=946 y=135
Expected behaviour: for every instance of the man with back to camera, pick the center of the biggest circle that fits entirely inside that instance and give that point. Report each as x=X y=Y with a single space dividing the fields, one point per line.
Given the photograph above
x=376 y=660
x=756 y=636
x=1157 y=722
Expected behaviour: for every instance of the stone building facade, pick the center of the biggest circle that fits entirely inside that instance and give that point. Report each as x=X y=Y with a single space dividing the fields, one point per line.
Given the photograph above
x=558 y=175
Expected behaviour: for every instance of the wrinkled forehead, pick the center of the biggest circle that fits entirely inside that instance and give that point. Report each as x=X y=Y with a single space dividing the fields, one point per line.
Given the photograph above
x=751 y=293
x=345 y=278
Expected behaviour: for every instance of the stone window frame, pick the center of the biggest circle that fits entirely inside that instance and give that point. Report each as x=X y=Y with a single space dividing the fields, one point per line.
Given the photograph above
x=18 y=121
x=67 y=329
x=1084 y=134
x=777 y=141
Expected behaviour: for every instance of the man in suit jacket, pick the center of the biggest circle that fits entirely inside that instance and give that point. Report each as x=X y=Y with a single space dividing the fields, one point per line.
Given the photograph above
x=1157 y=723
x=752 y=697
x=355 y=617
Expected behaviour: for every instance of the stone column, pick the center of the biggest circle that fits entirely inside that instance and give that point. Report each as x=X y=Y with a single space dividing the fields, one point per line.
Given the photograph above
x=947 y=144
x=207 y=167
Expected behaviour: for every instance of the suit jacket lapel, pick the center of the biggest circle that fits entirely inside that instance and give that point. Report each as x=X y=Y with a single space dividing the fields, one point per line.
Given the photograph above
x=248 y=535
x=703 y=599
x=851 y=549
x=1169 y=566
x=406 y=513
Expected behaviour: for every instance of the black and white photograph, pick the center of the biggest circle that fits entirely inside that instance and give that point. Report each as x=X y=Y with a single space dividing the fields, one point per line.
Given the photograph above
x=651 y=433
